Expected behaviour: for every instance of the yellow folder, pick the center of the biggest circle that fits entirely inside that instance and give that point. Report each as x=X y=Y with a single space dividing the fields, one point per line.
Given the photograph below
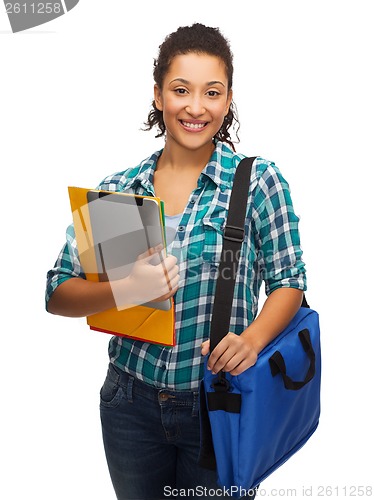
x=137 y=322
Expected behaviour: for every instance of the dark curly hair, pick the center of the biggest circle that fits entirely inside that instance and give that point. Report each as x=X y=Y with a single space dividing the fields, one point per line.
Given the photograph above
x=202 y=40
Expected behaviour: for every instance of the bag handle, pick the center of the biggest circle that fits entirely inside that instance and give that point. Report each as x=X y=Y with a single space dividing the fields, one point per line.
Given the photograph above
x=278 y=365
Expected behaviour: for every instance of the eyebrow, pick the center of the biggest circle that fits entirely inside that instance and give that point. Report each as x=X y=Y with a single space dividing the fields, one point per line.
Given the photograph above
x=186 y=82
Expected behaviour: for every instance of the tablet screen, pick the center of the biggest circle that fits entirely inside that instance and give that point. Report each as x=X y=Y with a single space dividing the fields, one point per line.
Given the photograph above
x=123 y=227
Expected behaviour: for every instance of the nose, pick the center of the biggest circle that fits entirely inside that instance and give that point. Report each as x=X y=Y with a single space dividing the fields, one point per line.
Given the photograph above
x=195 y=107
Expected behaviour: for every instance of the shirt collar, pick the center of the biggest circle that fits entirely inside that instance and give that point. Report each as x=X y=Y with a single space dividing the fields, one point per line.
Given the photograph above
x=145 y=173
x=219 y=169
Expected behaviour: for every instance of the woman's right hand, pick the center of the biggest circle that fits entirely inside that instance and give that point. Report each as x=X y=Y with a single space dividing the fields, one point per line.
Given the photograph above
x=78 y=297
x=153 y=283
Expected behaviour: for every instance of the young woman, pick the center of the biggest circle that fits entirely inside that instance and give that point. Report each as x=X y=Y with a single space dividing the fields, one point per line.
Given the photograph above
x=149 y=400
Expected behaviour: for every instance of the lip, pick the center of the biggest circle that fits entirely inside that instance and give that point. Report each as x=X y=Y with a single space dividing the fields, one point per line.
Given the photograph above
x=193 y=122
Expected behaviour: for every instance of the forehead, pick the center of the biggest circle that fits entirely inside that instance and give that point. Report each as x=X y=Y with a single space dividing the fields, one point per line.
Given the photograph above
x=197 y=68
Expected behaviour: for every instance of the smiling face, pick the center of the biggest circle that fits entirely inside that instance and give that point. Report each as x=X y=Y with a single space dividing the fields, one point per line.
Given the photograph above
x=194 y=100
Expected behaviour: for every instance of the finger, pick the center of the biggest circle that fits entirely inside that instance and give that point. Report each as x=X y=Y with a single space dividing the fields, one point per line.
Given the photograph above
x=173 y=288
x=248 y=361
x=165 y=296
x=171 y=276
x=172 y=273
x=224 y=351
x=224 y=359
x=174 y=291
x=234 y=362
x=205 y=348
x=170 y=283
x=217 y=352
x=241 y=367
x=174 y=283
x=169 y=262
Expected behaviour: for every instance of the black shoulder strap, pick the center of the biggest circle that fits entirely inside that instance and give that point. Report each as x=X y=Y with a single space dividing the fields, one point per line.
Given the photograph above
x=233 y=237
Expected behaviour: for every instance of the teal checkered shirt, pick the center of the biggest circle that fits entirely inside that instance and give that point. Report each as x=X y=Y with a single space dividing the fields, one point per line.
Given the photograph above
x=270 y=252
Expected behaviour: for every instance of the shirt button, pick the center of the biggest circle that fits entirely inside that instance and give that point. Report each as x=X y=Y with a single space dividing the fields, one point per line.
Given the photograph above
x=181 y=228
x=193 y=201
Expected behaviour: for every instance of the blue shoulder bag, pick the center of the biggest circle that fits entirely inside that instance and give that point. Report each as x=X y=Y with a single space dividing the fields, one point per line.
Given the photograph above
x=252 y=423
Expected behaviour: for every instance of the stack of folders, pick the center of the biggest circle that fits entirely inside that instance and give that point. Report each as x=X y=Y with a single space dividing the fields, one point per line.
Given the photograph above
x=112 y=229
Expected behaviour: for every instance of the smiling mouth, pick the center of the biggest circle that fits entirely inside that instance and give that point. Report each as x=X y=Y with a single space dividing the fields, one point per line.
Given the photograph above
x=194 y=126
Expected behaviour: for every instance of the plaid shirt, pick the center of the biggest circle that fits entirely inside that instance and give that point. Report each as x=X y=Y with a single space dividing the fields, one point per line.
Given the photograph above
x=270 y=252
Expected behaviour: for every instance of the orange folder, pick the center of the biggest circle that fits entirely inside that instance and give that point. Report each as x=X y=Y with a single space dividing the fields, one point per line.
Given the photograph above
x=137 y=322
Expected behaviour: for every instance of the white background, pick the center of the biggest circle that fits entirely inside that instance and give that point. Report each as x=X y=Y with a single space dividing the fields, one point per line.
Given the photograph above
x=74 y=94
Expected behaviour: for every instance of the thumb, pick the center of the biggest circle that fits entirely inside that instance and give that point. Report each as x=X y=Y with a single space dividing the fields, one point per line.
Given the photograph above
x=205 y=348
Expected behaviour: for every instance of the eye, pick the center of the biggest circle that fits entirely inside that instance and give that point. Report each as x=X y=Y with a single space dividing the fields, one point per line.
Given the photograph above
x=213 y=93
x=180 y=91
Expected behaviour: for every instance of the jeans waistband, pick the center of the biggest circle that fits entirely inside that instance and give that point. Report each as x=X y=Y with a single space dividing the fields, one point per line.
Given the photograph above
x=132 y=385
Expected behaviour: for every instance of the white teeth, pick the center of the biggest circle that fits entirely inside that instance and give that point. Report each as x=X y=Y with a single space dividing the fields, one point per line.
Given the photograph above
x=193 y=125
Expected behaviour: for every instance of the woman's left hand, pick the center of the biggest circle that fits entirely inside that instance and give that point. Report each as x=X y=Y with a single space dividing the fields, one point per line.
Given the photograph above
x=234 y=354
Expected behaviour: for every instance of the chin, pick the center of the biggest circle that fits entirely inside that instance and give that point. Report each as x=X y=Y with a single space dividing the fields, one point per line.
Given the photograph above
x=194 y=144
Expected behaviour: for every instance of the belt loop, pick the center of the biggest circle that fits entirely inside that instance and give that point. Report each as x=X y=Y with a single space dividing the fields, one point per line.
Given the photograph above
x=130 y=383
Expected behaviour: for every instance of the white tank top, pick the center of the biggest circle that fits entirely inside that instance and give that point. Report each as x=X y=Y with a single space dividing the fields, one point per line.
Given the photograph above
x=171 y=226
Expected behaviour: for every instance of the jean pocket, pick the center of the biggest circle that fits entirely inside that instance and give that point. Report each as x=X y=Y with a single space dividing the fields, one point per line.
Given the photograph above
x=111 y=393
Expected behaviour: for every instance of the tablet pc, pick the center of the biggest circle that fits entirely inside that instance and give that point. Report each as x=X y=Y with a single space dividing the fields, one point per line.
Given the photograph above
x=124 y=226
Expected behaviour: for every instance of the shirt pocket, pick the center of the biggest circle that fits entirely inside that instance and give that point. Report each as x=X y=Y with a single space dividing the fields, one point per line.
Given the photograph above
x=213 y=240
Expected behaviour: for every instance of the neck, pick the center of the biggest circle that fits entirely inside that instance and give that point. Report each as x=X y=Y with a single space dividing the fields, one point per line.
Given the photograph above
x=177 y=158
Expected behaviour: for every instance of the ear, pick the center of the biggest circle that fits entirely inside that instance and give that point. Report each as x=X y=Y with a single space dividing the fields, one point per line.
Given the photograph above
x=229 y=101
x=158 y=97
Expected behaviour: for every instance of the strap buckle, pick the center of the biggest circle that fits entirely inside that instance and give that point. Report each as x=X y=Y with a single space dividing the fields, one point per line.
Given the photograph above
x=234 y=233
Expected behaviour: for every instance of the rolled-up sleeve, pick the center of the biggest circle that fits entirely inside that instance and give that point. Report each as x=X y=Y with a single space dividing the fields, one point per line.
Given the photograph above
x=277 y=233
x=67 y=265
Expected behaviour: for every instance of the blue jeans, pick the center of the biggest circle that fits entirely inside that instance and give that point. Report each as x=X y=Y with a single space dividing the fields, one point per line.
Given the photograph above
x=152 y=440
